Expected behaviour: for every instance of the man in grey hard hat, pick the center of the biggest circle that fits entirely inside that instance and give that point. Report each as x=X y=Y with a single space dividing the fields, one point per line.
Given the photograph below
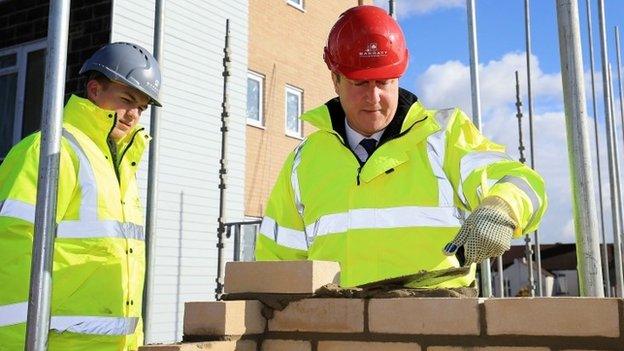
x=99 y=249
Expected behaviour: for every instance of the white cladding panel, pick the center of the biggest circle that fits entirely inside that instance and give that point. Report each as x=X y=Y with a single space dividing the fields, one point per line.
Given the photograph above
x=190 y=144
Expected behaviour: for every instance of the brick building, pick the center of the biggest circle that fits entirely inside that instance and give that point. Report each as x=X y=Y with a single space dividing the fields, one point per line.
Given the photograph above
x=286 y=77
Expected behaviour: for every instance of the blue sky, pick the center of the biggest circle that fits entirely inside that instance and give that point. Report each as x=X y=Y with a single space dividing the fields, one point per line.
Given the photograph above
x=438 y=73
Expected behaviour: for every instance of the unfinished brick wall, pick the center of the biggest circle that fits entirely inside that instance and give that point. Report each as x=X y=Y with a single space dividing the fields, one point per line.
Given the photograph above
x=23 y=21
x=428 y=324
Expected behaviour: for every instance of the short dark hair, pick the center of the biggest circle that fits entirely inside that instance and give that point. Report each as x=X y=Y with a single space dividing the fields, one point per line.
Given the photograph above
x=94 y=75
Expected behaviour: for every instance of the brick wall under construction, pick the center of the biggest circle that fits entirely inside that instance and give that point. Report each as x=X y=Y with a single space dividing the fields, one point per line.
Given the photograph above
x=390 y=324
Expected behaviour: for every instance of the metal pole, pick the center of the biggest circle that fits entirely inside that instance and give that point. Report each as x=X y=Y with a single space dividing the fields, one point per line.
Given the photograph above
x=391 y=9
x=39 y=299
x=584 y=206
x=486 y=274
x=223 y=171
x=605 y=262
x=614 y=182
x=152 y=184
x=527 y=32
x=528 y=250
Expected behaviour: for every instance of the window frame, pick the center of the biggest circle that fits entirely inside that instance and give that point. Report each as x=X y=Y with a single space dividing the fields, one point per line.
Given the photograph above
x=21 y=66
x=260 y=79
x=300 y=6
x=299 y=92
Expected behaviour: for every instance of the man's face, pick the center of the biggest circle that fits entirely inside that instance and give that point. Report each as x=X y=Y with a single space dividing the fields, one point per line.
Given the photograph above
x=369 y=105
x=126 y=101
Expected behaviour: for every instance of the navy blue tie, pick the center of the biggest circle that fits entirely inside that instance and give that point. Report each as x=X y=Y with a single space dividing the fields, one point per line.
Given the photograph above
x=369 y=144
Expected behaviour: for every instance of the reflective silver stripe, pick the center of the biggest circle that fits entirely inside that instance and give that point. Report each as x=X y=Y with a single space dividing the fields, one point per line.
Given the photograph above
x=386 y=218
x=94 y=325
x=436 y=147
x=524 y=186
x=17 y=209
x=291 y=238
x=99 y=325
x=86 y=178
x=477 y=159
x=294 y=181
x=100 y=229
x=13 y=314
x=89 y=226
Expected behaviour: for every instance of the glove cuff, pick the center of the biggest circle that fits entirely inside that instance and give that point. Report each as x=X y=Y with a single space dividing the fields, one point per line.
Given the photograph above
x=498 y=204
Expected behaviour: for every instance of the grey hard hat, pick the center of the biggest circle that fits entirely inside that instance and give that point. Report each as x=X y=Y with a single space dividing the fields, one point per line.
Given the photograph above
x=129 y=64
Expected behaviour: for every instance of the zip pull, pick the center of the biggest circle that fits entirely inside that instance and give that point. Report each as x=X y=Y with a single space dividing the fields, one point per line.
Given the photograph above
x=358 y=175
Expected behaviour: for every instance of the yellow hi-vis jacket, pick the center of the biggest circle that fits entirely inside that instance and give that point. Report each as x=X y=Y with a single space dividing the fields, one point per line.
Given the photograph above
x=99 y=263
x=393 y=214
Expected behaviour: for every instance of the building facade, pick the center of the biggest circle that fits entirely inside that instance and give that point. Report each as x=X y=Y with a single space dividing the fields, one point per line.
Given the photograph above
x=286 y=76
x=189 y=134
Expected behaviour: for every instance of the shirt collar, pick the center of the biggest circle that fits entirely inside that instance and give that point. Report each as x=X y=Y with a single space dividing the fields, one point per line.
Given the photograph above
x=354 y=138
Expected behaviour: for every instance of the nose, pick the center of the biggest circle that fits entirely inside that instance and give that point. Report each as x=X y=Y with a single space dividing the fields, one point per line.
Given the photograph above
x=373 y=93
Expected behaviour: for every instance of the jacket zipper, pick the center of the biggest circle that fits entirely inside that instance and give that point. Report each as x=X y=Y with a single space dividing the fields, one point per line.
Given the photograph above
x=129 y=144
x=109 y=142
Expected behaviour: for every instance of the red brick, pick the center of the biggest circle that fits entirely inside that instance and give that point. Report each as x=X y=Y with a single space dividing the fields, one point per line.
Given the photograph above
x=366 y=346
x=424 y=316
x=223 y=318
x=553 y=316
x=320 y=315
x=289 y=277
x=286 y=345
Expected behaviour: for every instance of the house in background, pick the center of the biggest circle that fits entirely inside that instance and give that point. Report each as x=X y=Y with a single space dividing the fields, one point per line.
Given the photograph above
x=559 y=270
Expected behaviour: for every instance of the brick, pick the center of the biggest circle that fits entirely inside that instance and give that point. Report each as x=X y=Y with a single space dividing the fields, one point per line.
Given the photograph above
x=286 y=345
x=553 y=316
x=223 y=318
x=486 y=348
x=424 y=316
x=320 y=315
x=238 y=345
x=289 y=277
x=366 y=346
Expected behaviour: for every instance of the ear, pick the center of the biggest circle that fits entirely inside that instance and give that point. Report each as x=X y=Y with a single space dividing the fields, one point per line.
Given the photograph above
x=93 y=89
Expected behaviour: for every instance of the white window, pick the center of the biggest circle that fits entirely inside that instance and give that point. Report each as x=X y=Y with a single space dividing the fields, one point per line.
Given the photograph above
x=294 y=102
x=255 y=99
x=22 y=73
x=296 y=3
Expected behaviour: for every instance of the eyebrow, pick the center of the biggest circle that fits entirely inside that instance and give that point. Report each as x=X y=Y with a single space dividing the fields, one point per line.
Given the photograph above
x=134 y=99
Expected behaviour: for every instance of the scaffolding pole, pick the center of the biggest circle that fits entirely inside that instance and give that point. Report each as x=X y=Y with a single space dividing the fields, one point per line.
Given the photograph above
x=486 y=273
x=614 y=181
x=391 y=9
x=39 y=300
x=527 y=33
x=605 y=261
x=584 y=206
x=152 y=183
x=619 y=69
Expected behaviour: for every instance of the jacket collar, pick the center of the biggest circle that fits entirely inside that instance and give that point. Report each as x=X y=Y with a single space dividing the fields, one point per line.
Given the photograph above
x=96 y=123
x=330 y=117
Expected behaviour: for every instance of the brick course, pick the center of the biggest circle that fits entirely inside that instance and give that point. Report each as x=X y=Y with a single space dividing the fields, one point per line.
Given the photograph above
x=223 y=318
x=320 y=315
x=366 y=346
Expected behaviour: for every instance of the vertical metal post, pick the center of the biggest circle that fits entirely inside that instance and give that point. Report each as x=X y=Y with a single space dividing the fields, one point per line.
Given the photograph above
x=584 y=206
x=39 y=299
x=237 y=241
x=605 y=260
x=527 y=32
x=614 y=182
x=152 y=183
x=528 y=250
x=391 y=9
x=486 y=274
x=223 y=171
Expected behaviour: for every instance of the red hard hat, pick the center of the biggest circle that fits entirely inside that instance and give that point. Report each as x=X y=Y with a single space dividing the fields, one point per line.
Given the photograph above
x=366 y=43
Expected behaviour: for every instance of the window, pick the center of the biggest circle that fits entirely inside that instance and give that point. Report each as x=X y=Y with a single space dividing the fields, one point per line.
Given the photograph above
x=296 y=3
x=22 y=72
x=507 y=286
x=561 y=284
x=255 y=99
x=294 y=103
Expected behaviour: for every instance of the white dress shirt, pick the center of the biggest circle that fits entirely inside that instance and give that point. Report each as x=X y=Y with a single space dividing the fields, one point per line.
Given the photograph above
x=354 y=138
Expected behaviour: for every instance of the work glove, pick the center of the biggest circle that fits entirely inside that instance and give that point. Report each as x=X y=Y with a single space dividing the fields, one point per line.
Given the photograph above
x=486 y=232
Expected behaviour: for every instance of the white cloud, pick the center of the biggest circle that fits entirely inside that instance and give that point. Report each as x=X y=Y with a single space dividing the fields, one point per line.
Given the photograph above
x=405 y=8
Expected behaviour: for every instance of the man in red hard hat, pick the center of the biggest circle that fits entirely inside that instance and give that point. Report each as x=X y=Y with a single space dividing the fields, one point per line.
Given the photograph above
x=384 y=184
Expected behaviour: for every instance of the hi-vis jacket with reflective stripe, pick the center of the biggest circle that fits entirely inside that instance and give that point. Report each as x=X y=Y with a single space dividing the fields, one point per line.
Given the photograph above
x=99 y=250
x=393 y=214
